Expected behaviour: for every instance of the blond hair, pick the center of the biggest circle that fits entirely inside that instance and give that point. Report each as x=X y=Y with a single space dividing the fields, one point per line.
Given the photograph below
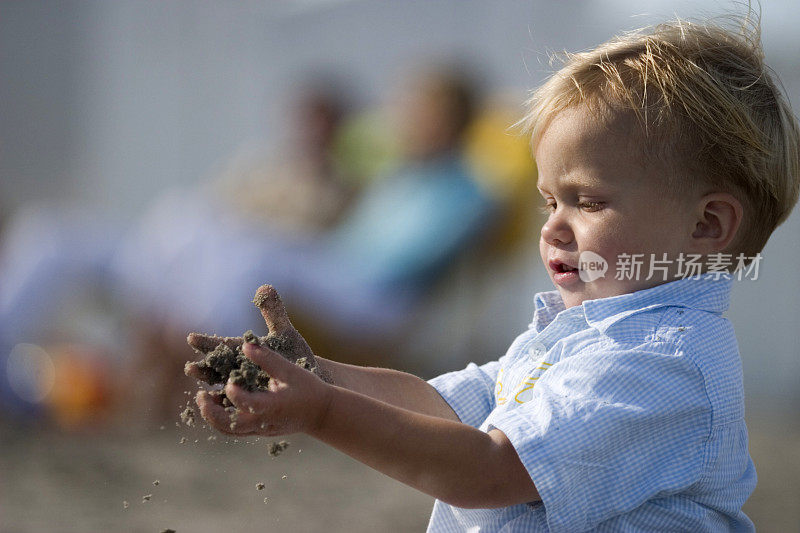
x=707 y=104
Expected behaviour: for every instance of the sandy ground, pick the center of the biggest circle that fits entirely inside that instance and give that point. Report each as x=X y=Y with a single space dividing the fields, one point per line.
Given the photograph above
x=77 y=483
x=51 y=481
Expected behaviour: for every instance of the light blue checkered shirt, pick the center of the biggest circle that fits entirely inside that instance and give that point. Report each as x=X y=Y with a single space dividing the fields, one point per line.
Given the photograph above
x=628 y=413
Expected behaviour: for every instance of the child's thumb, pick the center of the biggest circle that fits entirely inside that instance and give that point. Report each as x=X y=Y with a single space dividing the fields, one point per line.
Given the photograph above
x=269 y=303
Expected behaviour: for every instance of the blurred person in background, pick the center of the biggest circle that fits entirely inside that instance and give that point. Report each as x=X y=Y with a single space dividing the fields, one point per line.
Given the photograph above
x=74 y=280
x=364 y=277
x=192 y=261
x=305 y=187
x=407 y=229
x=371 y=265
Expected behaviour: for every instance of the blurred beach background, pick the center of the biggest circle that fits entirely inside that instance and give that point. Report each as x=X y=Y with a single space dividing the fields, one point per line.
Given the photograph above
x=147 y=149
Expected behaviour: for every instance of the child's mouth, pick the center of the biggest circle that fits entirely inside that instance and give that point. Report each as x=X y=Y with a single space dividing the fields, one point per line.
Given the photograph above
x=562 y=273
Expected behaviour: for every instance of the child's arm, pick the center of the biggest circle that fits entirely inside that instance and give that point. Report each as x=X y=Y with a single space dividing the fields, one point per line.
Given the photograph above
x=391 y=386
x=454 y=462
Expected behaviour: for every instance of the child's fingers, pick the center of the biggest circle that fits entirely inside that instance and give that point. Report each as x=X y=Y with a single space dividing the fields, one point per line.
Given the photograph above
x=251 y=402
x=214 y=413
x=205 y=343
x=269 y=303
x=243 y=423
x=194 y=370
x=270 y=362
x=216 y=396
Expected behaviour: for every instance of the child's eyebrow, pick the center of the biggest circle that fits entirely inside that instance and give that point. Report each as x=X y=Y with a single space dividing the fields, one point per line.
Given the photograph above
x=571 y=184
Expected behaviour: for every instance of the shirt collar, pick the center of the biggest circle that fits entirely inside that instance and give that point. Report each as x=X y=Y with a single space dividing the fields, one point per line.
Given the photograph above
x=708 y=292
x=546 y=306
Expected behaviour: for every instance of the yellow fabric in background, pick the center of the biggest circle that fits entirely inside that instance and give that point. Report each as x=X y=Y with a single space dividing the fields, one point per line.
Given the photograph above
x=502 y=160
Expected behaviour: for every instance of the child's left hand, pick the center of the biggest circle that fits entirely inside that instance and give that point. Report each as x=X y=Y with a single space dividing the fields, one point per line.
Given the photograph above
x=295 y=402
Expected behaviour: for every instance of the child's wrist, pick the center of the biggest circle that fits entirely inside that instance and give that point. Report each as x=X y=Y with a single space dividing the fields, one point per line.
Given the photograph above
x=324 y=404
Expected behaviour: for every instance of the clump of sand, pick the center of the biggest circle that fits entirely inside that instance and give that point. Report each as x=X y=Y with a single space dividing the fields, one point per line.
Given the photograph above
x=223 y=355
x=187 y=416
x=225 y=363
x=277 y=448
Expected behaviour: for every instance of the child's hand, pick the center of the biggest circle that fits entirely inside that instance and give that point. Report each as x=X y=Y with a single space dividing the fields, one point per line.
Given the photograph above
x=295 y=402
x=283 y=337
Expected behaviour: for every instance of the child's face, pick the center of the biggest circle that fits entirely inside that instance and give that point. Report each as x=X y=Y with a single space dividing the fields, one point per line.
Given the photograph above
x=604 y=198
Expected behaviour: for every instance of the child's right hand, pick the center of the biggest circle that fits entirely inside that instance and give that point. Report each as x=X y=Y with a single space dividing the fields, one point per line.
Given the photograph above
x=296 y=400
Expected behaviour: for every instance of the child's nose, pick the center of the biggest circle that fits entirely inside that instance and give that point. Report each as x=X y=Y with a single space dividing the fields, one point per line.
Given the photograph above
x=556 y=231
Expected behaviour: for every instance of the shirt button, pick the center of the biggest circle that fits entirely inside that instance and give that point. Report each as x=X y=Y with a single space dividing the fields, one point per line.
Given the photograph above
x=537 y=349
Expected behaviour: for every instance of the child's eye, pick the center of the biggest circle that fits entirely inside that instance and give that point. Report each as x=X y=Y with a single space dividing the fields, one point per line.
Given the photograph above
x=590 y=206
x=548 y=208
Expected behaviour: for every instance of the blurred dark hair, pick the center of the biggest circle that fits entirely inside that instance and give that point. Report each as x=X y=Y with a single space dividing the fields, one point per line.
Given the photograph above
x=457 y=89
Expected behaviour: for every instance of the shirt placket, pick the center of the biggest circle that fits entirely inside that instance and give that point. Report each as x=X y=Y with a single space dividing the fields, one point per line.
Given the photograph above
x=565 y=324
x=534 y=361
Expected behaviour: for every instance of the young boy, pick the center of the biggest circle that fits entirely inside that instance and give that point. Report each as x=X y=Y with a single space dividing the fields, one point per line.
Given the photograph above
x=621 y=408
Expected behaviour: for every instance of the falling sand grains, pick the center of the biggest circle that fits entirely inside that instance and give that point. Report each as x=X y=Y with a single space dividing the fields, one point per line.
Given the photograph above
x=277 y=448
x=187 y=416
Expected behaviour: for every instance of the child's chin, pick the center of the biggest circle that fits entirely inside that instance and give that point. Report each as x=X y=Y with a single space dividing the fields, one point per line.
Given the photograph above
x=571 y=298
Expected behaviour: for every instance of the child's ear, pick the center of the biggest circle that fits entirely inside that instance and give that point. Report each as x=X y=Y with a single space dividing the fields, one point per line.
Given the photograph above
x=719 y=217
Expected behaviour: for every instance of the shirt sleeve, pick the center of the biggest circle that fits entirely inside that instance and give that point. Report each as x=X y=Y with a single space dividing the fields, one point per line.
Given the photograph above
x=469 y=392
x=603 y=433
